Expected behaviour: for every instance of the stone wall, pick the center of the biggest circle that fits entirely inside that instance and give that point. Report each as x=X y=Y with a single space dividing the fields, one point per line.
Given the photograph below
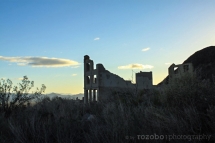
x=99 y=82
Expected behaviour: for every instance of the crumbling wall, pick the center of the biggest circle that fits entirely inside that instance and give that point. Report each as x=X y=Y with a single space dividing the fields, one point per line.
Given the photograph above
x=112 y=80
x=90 y=81
x=144 y=80
x=177 y=71
x=99 y=82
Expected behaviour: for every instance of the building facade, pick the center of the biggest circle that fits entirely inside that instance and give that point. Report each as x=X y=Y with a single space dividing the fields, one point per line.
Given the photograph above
x=99 y=82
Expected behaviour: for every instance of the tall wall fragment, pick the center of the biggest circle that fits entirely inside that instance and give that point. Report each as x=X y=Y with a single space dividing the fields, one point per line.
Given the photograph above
x=177 y=71
x=99 y=81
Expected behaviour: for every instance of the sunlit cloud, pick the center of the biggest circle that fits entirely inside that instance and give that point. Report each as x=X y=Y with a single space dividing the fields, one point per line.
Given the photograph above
x=21 y=64
x=74 y=74
x=97 y=38
x=20 y=78
x=40 y=61
x=145 y=49
x=136 y=66
x=75 y=66
x=167 y=64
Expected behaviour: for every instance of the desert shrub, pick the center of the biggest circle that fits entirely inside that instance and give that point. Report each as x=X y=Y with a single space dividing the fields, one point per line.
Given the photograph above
x=190 y=91
x=179 y=109
x=192 y=98
x=5 y=133
x=211 y=120
x=17 y=96
x=56 y=120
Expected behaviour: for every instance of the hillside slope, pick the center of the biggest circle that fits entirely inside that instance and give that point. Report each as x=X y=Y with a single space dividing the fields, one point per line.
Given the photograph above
x=203 y=62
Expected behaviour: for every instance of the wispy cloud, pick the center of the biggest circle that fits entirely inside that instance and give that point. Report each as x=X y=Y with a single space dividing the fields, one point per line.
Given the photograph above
x=145 y=49
x=135 y=66
x=76 y=66
x=21 y=64
x=97 y=38
x=74 y=74
x=40 y=61
x=167 y=63
x=20 y=78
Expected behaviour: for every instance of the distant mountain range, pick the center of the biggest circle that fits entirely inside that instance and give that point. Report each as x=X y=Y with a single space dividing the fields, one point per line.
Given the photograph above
x=69 y=96
x=204 y=62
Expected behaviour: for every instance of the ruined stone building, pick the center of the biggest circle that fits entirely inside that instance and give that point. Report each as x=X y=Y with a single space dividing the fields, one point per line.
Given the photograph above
x=177 y=71
x=98 y=81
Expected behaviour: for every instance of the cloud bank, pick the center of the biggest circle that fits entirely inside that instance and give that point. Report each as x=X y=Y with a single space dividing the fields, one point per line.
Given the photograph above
x=135 y=66
x=40 y=61
x=145 y=49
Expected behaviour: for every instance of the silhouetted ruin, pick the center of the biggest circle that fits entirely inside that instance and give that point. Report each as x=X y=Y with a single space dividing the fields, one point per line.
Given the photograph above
x=99 y=82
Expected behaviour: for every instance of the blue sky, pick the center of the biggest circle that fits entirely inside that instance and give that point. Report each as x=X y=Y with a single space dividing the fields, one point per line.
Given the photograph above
x=46 y=40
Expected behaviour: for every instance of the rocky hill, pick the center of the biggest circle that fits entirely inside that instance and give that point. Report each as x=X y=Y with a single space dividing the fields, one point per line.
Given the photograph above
x=203 y=62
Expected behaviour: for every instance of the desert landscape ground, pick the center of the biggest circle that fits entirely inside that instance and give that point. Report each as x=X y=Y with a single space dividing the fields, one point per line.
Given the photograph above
x=180 y=112
x=107 y=71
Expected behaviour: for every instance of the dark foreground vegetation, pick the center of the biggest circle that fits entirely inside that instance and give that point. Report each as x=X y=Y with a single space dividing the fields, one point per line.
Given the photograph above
x=183 y=112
